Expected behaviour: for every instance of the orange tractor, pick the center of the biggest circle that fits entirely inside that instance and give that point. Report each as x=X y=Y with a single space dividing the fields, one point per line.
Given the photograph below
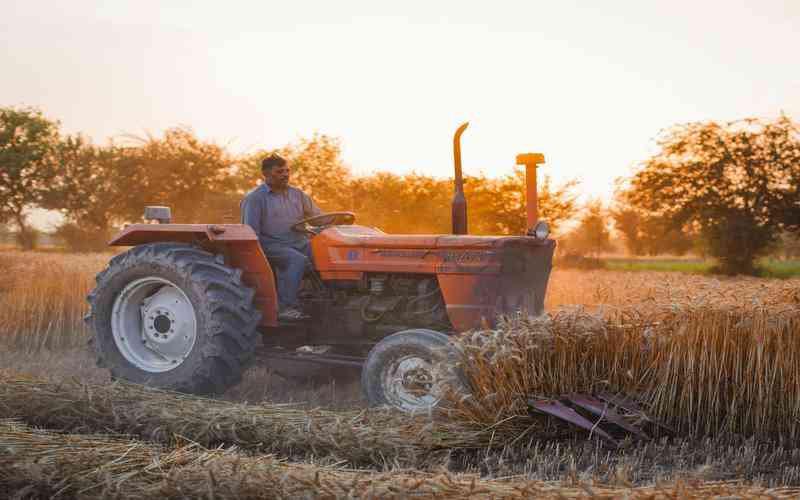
x=191 y=305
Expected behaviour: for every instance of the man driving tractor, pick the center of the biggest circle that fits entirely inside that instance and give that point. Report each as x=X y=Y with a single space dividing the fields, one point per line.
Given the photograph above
x=271 y=209
x=188 y=304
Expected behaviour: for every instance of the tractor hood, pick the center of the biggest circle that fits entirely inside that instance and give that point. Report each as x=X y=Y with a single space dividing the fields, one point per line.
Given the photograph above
x=362 y=236
x=480 y=276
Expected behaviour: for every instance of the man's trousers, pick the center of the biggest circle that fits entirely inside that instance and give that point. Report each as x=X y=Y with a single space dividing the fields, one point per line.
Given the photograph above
x=290 y=263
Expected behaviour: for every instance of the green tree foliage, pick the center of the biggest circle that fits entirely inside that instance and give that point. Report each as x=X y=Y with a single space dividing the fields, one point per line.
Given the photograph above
x=413 y=203
x=645 y=235
x=99 y=188
x=27 y=142
x=592 y=235
x=738 y=182
x=498 y=206
x=96 y=189
x=195 y=178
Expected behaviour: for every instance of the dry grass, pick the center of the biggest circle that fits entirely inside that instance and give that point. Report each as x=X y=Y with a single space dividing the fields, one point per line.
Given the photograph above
x=721 y=354
x=42 y=295
x=259 y=383
x=40 y=464
x=43 y=298
x=713 y=357
x=703 y=369
x=383 y=441
x=374 y=438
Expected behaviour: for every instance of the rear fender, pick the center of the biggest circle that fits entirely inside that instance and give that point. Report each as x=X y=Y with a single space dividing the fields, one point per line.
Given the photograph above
x=238 y=243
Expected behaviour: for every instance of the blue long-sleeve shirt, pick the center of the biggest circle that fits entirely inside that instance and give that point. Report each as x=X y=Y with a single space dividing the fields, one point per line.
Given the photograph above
x=271 y=214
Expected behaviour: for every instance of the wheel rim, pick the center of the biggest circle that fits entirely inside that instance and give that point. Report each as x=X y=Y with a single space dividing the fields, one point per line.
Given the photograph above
x=154 y=324
x=411 y=384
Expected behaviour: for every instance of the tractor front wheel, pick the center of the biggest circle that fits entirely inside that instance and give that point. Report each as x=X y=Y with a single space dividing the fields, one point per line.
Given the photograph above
x=410 y=370
x=173 y=316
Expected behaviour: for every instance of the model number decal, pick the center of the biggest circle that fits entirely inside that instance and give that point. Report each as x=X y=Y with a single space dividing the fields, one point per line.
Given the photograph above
x=446 y=255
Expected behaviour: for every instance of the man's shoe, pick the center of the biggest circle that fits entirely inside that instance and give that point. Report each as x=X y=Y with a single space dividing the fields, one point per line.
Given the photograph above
x=292 y=314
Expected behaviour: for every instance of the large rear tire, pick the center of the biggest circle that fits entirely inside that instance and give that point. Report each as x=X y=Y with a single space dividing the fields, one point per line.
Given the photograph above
x=410 y=370
x=173 y=316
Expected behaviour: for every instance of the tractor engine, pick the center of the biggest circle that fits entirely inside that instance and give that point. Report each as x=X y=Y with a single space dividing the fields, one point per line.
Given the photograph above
x=381 y=303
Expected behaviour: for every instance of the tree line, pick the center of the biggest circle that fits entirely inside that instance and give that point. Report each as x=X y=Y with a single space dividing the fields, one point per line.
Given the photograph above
x=99 y=188
x=726 y=190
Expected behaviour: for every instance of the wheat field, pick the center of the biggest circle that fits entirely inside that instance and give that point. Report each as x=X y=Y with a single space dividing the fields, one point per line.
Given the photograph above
x=717 y=360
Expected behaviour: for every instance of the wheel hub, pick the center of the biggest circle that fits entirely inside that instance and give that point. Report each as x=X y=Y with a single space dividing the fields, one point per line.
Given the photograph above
x=411 y=384
x=417 y=381
x=159 y=324
x=154 y=324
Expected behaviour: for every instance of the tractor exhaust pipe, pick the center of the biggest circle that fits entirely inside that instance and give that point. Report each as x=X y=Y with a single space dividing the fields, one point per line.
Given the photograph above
x=459 y=201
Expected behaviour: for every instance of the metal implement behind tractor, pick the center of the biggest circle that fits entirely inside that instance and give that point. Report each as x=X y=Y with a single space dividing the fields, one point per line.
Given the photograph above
x=190 y=305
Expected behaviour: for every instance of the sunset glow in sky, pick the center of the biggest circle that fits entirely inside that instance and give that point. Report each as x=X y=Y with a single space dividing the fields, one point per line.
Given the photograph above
x=587 y=83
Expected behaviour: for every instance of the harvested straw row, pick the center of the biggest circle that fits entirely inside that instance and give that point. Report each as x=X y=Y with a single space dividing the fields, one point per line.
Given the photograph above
x=87 y=466
x=360 y=438
x=703 y=368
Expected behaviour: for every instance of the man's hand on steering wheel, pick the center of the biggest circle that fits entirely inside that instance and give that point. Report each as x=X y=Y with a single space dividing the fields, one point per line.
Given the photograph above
x=314 y=225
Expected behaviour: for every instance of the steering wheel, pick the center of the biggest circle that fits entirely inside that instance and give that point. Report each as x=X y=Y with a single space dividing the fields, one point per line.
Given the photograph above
x=315 y=224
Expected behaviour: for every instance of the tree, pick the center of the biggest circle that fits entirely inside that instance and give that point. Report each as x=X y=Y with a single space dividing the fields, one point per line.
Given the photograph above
x=498 y=206
x=645 y=235
x=789 y=246
x=96 y=189
x=27 y=143
x=592 y=235
x=628 y=223
x=195 y=178
x=738 y=182
x=413 y=203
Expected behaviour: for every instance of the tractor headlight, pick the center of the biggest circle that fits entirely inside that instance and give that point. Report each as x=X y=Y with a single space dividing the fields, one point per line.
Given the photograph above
x=540 y=231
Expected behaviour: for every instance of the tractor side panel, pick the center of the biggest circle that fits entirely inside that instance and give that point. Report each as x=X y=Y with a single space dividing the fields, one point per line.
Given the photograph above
x=237 y=242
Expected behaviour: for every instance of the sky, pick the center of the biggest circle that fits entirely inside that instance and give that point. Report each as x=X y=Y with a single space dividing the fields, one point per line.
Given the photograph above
x=589 y=84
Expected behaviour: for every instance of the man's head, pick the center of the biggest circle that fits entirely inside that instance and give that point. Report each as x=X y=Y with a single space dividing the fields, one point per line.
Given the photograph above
x=275 y=170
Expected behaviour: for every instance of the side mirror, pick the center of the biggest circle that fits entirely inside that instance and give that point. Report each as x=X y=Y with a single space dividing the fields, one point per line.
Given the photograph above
x=161 y=214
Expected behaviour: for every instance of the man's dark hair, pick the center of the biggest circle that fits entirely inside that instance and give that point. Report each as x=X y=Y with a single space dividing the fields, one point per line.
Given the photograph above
x=273 y=160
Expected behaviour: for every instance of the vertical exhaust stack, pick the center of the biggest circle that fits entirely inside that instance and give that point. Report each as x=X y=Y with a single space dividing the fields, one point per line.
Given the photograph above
x=531 y=162
x=459 y=201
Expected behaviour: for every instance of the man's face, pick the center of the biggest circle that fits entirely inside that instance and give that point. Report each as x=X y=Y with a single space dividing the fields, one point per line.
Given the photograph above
x=278 y=177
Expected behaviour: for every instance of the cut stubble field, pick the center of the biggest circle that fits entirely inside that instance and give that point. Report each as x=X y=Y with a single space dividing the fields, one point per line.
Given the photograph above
x=716 y=358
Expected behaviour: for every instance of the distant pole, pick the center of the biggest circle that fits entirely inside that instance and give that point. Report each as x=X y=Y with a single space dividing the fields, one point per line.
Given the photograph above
x=531 y=162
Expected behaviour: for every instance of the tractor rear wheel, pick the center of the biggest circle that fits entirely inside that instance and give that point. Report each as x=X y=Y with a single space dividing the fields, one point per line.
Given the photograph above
x=410 y=370
x=173 y=316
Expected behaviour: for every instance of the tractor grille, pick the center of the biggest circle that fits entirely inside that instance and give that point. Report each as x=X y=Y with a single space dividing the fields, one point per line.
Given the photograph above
x=524 y=274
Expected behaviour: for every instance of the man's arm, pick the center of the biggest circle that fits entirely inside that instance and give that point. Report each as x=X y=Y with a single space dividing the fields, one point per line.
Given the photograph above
x=310 y=208
x=251 y=213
